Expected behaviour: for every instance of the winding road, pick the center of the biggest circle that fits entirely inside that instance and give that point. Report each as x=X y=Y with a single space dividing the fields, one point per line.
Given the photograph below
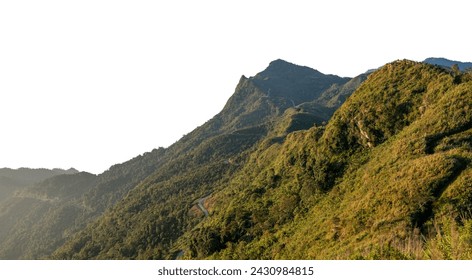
x=202 y=208
x=200 y=205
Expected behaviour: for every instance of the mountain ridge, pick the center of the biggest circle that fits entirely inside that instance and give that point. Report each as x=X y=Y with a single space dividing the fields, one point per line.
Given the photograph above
x=463 y=66
x=12 y=180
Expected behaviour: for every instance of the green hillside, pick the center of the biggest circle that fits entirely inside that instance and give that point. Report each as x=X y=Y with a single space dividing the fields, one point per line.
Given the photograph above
x=35 y=219
x=78 y=199
x=388 y=177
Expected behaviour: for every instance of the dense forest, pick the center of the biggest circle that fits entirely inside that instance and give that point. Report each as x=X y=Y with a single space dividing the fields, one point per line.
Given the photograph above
x=297 y=165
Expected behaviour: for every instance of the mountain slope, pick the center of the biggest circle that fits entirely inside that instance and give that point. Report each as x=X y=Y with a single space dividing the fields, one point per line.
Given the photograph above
x=154 y=214
x=38 y=219
x=388 y=177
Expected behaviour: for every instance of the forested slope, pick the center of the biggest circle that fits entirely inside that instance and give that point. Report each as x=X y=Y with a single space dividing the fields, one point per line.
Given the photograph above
x=388 y=177
x=163 y=207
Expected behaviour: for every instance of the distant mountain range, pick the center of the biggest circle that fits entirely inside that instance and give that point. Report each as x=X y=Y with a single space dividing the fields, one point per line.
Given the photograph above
x=449 y=63
x=12 y=180
x=297 y=165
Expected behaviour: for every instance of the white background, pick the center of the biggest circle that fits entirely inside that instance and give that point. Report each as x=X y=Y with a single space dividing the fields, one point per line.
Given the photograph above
x=323 y=270
x=91 y=83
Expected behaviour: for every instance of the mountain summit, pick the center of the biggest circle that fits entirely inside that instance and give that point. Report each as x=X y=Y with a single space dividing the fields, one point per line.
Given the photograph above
x=299 y=83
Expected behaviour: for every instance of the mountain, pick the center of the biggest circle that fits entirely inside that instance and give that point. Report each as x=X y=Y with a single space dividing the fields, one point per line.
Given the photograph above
x=448 y=63
x=148 y=221
x=297 y=83
x=38 y=219
x=388 y=177
x=297 y=165
x=27 y=176
x=12 y=180
x=166 y=182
